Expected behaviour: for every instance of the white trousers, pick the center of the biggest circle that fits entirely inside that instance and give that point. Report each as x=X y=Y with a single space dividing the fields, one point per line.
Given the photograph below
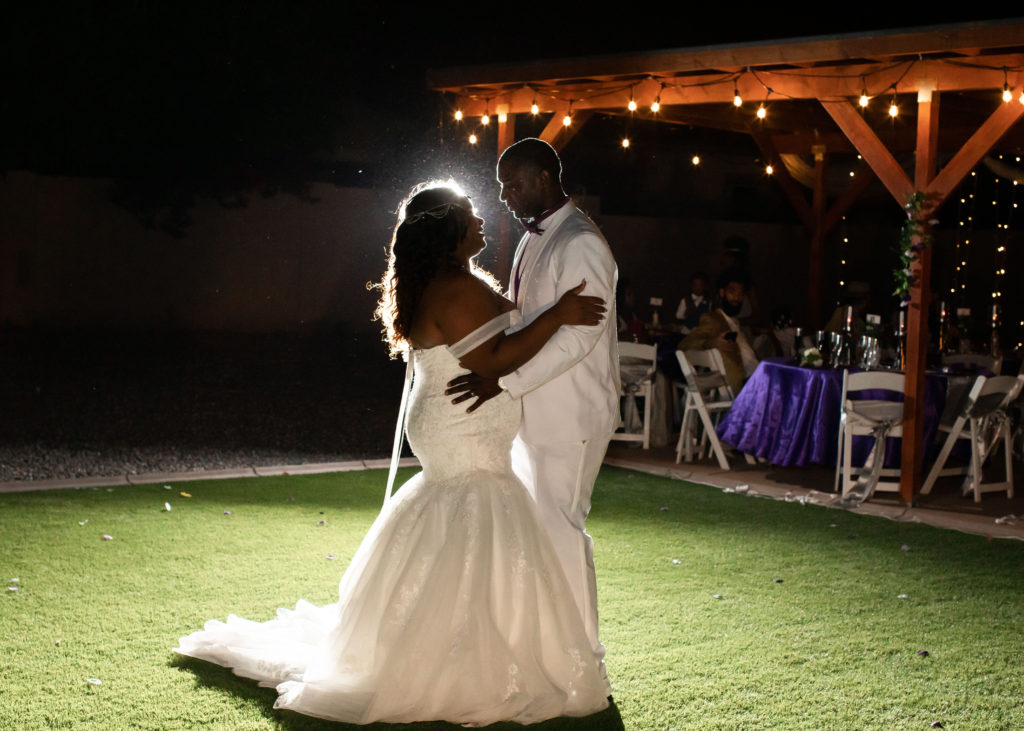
x=561 y=476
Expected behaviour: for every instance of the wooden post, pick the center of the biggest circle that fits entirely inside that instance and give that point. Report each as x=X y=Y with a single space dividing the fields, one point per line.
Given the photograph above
x=913 y=448
x=504 y=244
x=816 y=273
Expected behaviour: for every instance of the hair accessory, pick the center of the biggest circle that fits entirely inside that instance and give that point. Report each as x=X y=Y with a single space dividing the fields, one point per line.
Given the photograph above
x=437 y=213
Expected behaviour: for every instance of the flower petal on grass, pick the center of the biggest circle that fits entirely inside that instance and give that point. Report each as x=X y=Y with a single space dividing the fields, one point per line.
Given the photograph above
x=776 y=581
x=676 y=561
x=168 y=487
x=664 y=507
x=321 y=522
x=227 y=512
x=108 y=537
x=331 y=556
x=83 y=522
x=184 y=494
x=13 y=588
x=904 y=547
x=167 y=507
x=94 y=681
x=936 y=724
x=717 y=596
x=902 y=596
x=15 y=580
x=923 y=653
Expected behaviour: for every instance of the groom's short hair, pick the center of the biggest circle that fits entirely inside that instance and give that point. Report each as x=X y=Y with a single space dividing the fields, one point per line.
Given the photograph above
x=536 y=154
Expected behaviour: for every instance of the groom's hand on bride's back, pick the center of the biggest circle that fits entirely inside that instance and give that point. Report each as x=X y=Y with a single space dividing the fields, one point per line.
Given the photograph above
x=470 y=385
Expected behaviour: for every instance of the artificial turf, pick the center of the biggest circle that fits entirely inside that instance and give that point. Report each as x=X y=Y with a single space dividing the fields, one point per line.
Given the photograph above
x=719 y=611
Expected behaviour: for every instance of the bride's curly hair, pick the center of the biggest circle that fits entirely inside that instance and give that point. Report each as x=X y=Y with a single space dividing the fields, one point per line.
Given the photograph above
x=432 y=220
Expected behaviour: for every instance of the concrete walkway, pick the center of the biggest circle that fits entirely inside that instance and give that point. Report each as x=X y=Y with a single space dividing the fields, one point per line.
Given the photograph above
x=811 y=486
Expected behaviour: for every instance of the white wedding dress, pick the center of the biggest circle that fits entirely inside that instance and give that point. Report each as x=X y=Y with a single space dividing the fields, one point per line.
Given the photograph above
x=454 y=607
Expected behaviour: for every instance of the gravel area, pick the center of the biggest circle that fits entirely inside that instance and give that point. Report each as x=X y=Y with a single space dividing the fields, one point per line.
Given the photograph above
x=83 y=404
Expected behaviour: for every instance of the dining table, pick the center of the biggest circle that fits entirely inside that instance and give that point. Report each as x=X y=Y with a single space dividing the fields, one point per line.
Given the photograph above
x=788 y=415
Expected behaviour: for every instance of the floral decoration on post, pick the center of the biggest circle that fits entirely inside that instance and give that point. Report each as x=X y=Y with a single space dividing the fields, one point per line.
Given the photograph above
x=912 y=240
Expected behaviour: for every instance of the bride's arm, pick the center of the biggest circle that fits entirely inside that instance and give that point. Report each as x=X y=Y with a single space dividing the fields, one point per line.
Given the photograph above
x=471 y=304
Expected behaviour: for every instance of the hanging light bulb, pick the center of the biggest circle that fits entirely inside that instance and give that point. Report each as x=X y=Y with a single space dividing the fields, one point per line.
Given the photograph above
x=894 y=110
x=625 y=142
x=1007 y=94
x=485 y=119
x=695 y=160
x=1021 y=99
x=769 y=169
x=864 y=98
x=631 y=106
x=567 y=120
x=656 y=104
x=737 y=100
x=472 y=139
x=458 y=115
x=761 y=111
x=534 y=109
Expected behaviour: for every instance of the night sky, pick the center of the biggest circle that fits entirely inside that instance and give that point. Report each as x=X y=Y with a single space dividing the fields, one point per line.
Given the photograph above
x=267 y=93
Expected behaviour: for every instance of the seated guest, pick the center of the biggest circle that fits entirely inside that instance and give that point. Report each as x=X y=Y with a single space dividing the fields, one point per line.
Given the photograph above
x=780 y=340
x=694 y=304
x=630 y=326
x=858 y=296
x=720 y=329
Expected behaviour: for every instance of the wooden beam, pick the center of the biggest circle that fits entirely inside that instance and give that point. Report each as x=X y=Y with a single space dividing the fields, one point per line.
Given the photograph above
x=913 y=446
x=1005 y=116
x=862 y=178
x=794 y=192
x=816 y=265
x=871 y=148
x=558 y=135
x=845 y=48
x=835 y=81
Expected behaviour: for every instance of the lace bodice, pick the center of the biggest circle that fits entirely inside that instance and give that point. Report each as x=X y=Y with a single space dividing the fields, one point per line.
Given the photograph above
x=448 y=440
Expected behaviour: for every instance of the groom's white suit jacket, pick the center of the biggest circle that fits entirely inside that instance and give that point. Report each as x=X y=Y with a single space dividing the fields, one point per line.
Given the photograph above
x=570 y=389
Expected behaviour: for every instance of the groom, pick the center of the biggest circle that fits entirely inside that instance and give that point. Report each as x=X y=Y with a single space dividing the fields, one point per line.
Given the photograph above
x=570 y=390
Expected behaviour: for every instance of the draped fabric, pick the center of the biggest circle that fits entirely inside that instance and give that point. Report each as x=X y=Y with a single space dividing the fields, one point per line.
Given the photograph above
x=790 y=416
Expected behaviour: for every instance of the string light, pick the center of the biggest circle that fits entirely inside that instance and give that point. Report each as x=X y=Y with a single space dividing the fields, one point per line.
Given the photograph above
x=1007 y=94
x=486 y=118
x=458 y=115
x=472 y=139
x=567 y=119
x=534 y=109
x=894 y=109
x=695 y=160
x=762 y=111
x=864 y=98
x=737 y=100
x=769 y=169
x=625 y=142
x=632 y=102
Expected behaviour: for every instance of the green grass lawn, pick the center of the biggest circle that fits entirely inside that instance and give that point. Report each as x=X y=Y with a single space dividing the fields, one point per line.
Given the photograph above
x=719 y=611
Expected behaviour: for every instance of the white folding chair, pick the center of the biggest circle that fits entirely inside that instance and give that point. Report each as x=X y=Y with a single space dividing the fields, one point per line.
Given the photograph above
x=637 y=363
x=983 y=411
x=707 y=394
x=991 y=363
x=868 y=417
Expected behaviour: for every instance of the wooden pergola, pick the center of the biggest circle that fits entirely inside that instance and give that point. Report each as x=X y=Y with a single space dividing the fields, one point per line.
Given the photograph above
x=816 y=84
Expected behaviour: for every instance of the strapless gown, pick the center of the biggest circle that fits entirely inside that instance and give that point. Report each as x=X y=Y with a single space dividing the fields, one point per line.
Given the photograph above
x=454 y=607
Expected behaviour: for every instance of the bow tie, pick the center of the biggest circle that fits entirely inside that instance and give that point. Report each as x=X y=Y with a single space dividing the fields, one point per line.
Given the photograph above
x=533 y=225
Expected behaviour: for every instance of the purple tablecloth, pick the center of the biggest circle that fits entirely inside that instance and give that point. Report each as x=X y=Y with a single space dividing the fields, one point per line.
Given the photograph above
x=790 y=415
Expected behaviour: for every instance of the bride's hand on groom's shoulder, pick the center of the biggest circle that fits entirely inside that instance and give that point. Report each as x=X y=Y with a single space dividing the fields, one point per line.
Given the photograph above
x=470 y=385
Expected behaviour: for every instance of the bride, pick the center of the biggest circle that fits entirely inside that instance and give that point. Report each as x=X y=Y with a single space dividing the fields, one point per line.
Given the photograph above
x=455 y=607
